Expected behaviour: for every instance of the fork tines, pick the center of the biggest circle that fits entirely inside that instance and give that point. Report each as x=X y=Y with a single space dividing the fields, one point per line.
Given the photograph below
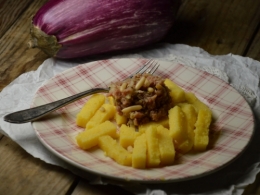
x=149 y=67
x=152 y=67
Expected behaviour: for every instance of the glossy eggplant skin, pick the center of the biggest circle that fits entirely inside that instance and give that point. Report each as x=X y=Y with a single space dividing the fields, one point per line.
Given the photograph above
x=88 y=27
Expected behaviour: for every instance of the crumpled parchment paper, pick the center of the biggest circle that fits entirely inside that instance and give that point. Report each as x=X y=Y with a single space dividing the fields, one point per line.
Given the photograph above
x=241 y=72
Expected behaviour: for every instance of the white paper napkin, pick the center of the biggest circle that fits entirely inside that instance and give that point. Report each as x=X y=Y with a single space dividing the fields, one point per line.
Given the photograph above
x=241 y=72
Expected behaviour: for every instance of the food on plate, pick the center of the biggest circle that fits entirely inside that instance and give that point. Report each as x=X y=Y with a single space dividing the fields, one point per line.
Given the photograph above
x=176 y=92
x=193 y=100
x=153 y=153
x=164 y=122
x=127 y=136
x=182 y=118
x=146 y=143
x=89 y=138
x=166 y=146
x=142 y=98
x=89 y=109
x=190 y=118
x=177 y=125
x=139 y=155
x=79 y=28
x=104 y=113
x=120 y=119
x=115 y=151
x=201 y=138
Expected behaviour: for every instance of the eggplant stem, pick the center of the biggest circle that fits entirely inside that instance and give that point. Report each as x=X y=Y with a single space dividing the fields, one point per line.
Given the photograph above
x=47 y=43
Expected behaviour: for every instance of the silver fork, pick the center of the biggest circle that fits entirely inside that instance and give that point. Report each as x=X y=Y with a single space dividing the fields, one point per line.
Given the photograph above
x=35 y=113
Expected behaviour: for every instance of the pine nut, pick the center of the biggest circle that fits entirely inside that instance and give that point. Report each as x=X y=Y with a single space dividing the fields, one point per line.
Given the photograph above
x=132 y=108
x=140 y=83
x=123 y=86
x=150 y=89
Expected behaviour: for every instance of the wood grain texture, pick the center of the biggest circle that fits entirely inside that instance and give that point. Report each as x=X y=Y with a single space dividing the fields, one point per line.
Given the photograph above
x=15 y=57
x=219 y=27
x=254 y=49
x=21 y=173
x=10 y=11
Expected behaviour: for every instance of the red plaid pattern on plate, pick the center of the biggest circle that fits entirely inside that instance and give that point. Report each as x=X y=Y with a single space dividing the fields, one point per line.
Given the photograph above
x=230 y=133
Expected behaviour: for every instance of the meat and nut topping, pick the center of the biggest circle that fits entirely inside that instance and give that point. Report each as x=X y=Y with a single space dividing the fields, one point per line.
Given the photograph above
x=142 y=98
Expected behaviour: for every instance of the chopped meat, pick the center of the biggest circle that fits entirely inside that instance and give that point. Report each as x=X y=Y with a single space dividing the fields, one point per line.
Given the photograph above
x=142 y=98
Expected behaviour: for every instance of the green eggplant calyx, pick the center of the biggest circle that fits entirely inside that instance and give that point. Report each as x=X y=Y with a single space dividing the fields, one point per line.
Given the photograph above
x=47 y=43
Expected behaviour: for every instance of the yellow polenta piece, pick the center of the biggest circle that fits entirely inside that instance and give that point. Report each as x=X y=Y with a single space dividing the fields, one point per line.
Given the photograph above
x=202 y=124
x=89 y=138
x=120 y=119
x=166 y=147
x=190 y=117
x=127 y=135
x=111 y=100
x=176 y=92
x=164 y=122
x=89 y=109
x=153 y=154
x=142 y=128
x=105 y=112
x=177 y=126
x=139 y=152
x=192 y=99
x=115 y=151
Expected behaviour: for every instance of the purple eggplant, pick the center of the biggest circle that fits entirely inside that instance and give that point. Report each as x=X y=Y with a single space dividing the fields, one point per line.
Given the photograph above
x=80 y=28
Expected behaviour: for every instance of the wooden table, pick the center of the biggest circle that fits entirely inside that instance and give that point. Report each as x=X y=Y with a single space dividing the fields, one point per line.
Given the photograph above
x=219 y=27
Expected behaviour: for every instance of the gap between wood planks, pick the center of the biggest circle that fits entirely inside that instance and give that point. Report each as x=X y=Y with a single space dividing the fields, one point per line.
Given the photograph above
x=250 y=42
x=73 y=185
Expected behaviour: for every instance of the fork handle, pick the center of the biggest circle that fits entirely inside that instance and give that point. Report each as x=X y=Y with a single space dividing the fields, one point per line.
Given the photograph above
x=35 y=113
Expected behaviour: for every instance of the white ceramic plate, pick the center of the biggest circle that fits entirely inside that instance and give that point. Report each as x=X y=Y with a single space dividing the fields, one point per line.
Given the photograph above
x=233 y=120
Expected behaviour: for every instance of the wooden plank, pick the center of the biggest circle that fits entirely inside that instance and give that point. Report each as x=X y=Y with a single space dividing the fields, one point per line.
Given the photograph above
x=10 y=11
x=84 y=188
x=21 y=173
x=254 y=49
x=15 y=57
x=219 y=27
